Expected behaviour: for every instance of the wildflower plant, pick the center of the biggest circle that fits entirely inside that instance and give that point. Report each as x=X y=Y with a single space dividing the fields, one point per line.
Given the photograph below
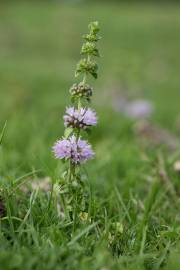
x=78 y=119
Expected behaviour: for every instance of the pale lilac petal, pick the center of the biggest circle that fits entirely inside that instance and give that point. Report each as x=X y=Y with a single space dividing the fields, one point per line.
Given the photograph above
x=82 y=118
x=79 y=151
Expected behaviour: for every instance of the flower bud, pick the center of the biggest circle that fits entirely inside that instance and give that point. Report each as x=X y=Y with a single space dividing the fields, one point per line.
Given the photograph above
x=81 y=90
x=94 y=27
x=91 y=37
x=89 y=48
x=87 y=66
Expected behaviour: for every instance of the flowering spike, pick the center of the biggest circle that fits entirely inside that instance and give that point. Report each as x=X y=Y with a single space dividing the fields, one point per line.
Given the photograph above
x=89 y=49
x=79 y=118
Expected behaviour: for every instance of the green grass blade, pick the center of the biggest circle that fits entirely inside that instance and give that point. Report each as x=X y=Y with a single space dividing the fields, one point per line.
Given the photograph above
x=3 y=132
x=86 y=230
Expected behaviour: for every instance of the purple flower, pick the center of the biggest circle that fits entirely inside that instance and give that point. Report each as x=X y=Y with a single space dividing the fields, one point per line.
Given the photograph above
x=139 y=109
x=82 y=118
x=79 y=151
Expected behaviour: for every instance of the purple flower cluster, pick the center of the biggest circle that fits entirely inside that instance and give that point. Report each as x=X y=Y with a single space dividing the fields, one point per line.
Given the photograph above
x=79 y=151
x=82 y=118
x=78 y=117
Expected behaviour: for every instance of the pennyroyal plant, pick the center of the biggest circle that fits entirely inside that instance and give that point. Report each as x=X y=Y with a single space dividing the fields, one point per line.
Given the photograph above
x=79 y=118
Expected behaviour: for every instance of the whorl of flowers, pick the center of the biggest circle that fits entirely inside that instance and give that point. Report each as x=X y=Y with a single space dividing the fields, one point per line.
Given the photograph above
x=79 y=117
x=77 y=150
x=82 y=118
x=81 y=90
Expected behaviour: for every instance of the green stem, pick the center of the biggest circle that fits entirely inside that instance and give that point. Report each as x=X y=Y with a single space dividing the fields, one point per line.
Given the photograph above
x=70 y=172
x=79 y=104
x=84 y=78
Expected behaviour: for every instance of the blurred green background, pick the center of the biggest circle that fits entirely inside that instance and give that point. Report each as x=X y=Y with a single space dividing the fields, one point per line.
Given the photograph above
x=40 y=43
x=39 y=48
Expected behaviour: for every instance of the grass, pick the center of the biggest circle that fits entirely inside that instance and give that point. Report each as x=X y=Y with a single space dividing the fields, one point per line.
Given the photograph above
x=135 y=221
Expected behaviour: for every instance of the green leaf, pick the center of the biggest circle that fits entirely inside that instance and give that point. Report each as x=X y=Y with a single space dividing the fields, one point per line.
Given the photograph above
x=73 y=98
x=88 y=130
x=68 y=131
x=94 y=27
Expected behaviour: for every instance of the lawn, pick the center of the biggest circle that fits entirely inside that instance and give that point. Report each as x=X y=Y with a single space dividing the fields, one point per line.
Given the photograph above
x=133 y=187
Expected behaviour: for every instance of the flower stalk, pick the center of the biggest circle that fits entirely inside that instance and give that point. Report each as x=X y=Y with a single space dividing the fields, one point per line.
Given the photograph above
x=79 y=119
